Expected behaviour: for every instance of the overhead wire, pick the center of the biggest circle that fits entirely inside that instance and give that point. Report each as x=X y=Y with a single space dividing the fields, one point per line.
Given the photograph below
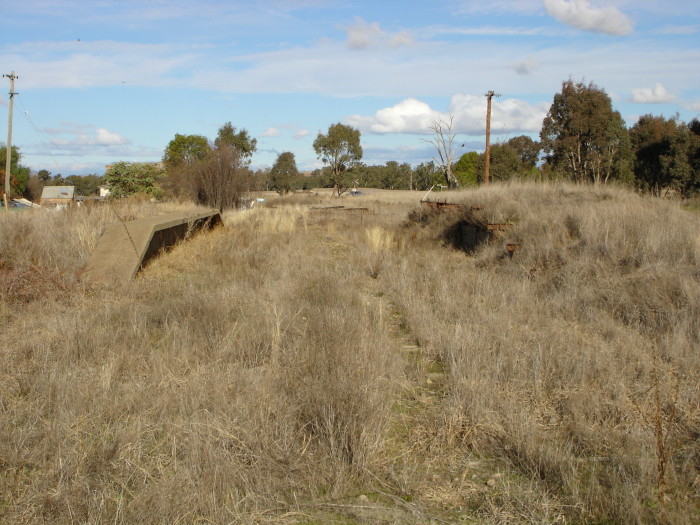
x=41 y=134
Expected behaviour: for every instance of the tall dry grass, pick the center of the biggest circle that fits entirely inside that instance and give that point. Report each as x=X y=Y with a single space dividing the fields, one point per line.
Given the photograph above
x=228 y=383
x=557 y=356
x=319 y=365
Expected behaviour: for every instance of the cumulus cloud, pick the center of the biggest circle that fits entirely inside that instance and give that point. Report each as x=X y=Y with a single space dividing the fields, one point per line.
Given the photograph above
x=271 y=132
x=408 y=116
x=362 y=35
x=301 y=134
x=582 y=15
x=655 y=95
x=469 y=112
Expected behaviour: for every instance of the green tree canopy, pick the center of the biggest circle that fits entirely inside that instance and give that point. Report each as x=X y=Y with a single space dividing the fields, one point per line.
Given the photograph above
x=86 y=185
x=185 y=149
x=505 y=163
x=651 y=140
x=282 y=172
x=19 y=175
x=583 y=137
x=666 y=154
x=465 y=168
x=128 y=178
x=241 y=140
x=340 y=148
x=44 y=176
x=681 y=162
x=527 y=149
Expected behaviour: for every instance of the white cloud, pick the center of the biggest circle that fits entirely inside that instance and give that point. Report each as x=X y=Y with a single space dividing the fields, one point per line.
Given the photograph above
x=655 y=95
x=271 y=132
x=85 y=138
x=108 y=138
x=582 y=15
x=301 y=133
x=408 y=116
x=469 y=112
x=362 y=35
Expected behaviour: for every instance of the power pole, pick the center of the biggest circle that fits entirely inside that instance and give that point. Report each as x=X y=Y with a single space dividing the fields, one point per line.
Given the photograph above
x=8 y=150
x=487 y=160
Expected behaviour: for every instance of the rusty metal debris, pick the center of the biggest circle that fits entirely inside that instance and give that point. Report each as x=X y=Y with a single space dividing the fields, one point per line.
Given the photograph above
x=441 y=205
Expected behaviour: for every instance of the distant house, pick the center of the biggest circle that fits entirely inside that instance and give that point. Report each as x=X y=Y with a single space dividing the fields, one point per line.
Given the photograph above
x=57 y=196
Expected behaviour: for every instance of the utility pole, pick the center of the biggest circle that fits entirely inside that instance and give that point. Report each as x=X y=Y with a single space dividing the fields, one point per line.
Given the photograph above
x=8 y=150
x=487 y=155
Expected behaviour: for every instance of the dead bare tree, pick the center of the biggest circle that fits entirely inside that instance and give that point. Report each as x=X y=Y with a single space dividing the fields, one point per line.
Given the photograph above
x=443 y=141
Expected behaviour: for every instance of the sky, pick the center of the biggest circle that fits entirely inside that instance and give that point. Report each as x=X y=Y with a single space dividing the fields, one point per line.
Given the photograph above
x=102 y=81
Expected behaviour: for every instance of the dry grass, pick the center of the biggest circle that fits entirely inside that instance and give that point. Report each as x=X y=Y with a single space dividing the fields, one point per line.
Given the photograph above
x=309 y=365
x=554 y=354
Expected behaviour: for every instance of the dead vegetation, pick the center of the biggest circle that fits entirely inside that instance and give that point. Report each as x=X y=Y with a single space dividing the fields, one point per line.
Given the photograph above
x=314 y=365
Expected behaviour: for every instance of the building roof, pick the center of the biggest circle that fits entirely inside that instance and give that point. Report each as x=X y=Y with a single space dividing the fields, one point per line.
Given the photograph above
x=58 y=192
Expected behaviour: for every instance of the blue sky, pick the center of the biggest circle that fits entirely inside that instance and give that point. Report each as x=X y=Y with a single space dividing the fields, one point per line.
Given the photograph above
x=107 y=80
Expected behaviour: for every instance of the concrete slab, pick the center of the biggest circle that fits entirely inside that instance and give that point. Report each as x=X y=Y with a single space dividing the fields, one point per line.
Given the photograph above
x=126 y=247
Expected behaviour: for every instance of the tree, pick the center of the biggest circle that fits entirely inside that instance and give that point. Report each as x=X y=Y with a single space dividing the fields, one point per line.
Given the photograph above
x=583 y=137
x=282 y=172
x=527 y=149
x=220 y=179
x=86 y=185
x=395 y=176
x=650 y=139
x=505 y=164
x=19 y=175
x=666 y=154
x=443 y=141
x=128 y=178
x=244 y=143
x=185 y=149
x=426 y=175
x=340 y=148
x=44 y=176
x=681 y=162
x=465 y=169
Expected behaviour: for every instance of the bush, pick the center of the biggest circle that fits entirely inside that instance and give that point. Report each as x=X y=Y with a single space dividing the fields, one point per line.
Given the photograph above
x=218 y=180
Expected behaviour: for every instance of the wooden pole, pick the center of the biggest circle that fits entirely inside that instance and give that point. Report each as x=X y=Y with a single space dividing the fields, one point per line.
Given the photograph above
x=487 y=155
x=8 y=151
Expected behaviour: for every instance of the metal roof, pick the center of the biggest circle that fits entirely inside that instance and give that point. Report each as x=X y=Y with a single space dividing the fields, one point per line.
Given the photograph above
x=58 y=192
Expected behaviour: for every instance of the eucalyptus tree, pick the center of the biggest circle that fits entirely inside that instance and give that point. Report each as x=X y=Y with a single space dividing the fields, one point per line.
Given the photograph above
x=241 y=140
x=283 y=172
x=583 y=137
x=339 y=148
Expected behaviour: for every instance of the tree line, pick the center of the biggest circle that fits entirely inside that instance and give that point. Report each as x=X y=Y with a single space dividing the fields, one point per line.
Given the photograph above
x=583 y=139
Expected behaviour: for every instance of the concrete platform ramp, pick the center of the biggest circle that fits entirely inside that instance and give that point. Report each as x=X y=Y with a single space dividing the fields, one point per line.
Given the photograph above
x=126 y=247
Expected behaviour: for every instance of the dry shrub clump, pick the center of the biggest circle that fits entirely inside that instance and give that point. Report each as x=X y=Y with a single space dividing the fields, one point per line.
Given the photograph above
x=576 y=358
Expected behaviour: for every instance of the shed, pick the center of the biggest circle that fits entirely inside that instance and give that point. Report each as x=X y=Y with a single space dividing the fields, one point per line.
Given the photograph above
x=55 y=196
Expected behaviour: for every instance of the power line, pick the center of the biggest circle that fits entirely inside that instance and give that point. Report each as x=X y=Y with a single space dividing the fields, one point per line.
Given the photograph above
x=41 y=134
